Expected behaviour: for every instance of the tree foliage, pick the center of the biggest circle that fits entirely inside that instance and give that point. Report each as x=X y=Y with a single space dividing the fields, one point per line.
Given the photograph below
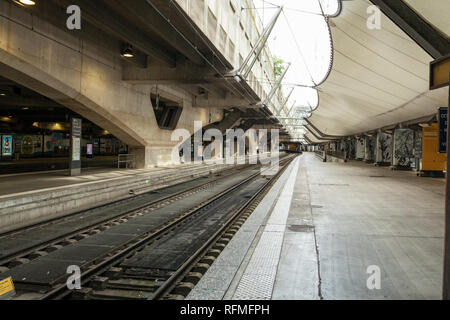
x=278 y=66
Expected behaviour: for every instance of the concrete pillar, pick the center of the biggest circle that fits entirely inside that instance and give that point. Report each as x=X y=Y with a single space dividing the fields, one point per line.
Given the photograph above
x=360 y=148
x=351 y=148
x=332 y=147
x=369 y=148
x=403 y=145
x=418 y=149
x=383 y=149
x=343 y=148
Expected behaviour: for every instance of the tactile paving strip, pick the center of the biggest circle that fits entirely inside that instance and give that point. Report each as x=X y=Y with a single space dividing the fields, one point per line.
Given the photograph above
x=258 y=279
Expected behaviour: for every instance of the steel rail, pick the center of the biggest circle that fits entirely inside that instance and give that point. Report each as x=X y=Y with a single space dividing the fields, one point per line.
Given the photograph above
x=23 y=253
x=178 y=275
x=61 y=291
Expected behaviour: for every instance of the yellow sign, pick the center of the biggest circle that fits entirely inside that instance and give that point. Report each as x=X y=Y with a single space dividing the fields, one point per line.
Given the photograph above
x=432 y=160
x=6 y=287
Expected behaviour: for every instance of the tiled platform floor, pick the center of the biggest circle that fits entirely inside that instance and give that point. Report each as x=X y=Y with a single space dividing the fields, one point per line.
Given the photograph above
x=327 y=229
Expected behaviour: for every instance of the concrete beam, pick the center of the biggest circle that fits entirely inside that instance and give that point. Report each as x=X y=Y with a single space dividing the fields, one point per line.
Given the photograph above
x=106 y=19
x=213 y=102
x=148 y=14
x=415 y=27
x=183 y=72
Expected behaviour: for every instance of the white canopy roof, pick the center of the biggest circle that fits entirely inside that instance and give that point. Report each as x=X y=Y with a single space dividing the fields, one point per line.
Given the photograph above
x=379 y=77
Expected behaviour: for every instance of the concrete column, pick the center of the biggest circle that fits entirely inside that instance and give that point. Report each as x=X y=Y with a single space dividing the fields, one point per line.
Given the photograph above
x=351 y=148
x=403 y=145
x=369 y=148
x=360 y=148
x=417 y=149
x=383 y=149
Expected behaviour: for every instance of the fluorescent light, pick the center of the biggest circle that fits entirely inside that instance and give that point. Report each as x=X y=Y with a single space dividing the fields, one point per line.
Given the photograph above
x=128 y=51
x=25 y=2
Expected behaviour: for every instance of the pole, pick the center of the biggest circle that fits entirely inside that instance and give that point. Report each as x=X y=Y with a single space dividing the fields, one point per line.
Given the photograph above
x=446 y=280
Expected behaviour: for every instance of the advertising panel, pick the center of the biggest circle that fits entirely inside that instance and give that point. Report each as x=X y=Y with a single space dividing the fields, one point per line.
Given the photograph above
x=7 y=146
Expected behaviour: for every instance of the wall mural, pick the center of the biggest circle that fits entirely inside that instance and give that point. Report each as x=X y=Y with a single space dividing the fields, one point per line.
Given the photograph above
x=384 y=148
x=404 y=148
x=350 y=148
x=369 y=148
x=360 y=148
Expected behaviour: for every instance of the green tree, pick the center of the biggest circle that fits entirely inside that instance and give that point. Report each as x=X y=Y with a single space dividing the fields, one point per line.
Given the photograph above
x=278 y=66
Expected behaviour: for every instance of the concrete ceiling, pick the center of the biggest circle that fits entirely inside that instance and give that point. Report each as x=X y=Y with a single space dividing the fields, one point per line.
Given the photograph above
x=379 y=77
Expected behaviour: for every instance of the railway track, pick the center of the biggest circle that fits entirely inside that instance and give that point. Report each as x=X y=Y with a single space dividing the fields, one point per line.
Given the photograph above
x=86 y=223
x=138 y=265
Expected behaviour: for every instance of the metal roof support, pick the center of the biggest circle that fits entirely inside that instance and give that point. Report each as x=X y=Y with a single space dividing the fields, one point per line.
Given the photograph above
x=276 y=86
x=259 y=46
x=285 y=103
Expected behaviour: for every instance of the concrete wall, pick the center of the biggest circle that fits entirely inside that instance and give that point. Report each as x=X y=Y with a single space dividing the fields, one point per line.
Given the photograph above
x=83 y=71
x=235 y=31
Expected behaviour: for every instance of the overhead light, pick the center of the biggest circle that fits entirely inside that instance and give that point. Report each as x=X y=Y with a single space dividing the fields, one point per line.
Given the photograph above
x=2 y=94
x=25 y=2
x=426 y=124
x=25 y=108
x=127 y=51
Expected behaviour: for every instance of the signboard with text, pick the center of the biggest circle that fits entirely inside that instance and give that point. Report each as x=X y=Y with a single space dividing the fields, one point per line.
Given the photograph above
x=75 y=159
x=442 y=137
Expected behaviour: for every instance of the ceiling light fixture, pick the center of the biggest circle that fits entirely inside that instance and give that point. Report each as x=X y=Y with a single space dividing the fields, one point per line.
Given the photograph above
x=25 y=2
x=127 y=51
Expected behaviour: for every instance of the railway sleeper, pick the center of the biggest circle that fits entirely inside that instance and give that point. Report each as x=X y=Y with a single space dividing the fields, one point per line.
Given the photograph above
x=193 y=277
x=201 y=268
x=208 y=260
x=183 y=288
x=37 y=254
x=17 y=262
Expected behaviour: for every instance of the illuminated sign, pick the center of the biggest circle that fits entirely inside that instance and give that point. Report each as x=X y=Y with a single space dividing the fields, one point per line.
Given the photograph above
x=7 y=148
x=76 y=151
x=89 y=149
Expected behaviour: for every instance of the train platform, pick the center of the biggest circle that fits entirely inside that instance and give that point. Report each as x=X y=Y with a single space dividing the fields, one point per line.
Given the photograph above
x=336 y=231
x=30 y=198
x=26 y=165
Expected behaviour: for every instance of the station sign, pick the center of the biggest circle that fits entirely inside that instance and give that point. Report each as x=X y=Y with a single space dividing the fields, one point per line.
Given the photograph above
x=7 y=146
x=75 y=157
x=440 y=73
x=442 y=137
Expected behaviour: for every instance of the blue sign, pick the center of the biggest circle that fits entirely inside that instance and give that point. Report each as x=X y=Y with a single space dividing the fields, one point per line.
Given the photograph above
x=442 y=119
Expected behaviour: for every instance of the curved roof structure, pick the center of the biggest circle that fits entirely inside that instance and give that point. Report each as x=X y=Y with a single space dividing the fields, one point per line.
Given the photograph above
x=380 y=76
